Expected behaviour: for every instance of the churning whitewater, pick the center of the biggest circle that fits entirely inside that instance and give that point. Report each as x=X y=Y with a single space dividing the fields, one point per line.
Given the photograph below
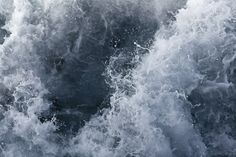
x=117 y=78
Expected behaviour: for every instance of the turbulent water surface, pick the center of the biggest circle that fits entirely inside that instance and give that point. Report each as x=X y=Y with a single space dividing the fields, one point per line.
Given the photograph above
x=117 y=78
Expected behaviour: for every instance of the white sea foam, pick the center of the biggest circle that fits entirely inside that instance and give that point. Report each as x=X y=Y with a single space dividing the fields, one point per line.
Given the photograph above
x=22 y=133
x=150 y=112
x=155 y=120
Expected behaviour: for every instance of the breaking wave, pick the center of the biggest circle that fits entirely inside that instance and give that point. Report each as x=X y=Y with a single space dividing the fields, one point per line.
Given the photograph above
x=117 y=78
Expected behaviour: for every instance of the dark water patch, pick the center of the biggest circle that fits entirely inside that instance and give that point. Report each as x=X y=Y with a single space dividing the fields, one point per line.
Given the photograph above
x=3 y=33
x=213 y=113
x=76 y=80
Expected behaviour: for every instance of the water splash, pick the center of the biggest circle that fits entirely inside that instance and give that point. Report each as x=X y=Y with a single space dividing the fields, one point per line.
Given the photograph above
x=172 y=92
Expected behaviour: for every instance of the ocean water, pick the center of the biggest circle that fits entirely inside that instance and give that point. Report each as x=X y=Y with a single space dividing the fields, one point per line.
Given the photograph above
x=117 y=78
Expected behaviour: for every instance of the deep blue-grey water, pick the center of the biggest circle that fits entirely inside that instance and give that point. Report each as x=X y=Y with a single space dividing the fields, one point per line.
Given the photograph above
x=117 y=78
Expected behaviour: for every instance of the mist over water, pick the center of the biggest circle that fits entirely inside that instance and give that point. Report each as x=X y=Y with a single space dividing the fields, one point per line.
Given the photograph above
x=117 y=78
